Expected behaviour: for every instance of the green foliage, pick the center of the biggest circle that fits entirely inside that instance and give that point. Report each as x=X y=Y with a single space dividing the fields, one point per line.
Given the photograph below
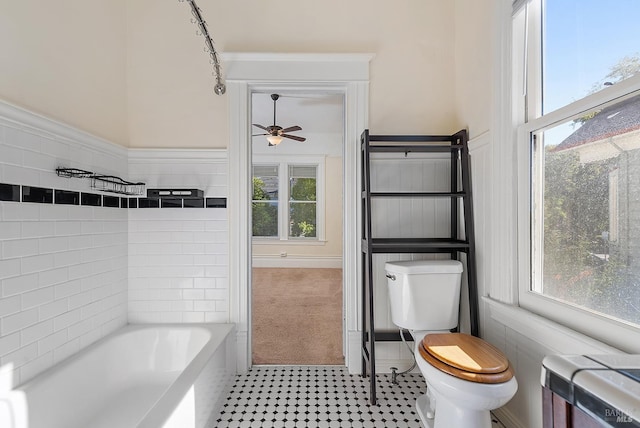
x=264 y=214
x=307 y=229
x=303 y=214
x=302 y=209
x=303 y=189
x=576 y=212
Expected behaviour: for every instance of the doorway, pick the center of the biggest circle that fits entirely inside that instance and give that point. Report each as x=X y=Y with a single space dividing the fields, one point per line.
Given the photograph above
x=246 y=72
x=296 y=227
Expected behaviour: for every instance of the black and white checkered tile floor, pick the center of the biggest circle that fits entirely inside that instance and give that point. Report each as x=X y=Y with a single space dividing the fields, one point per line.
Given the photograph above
x=319 y=397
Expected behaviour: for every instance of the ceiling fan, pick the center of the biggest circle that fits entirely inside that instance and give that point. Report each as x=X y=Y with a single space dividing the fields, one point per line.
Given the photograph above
x=276 y=133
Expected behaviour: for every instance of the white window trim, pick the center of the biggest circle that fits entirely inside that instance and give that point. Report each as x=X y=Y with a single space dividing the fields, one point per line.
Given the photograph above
x=619 y=334
x=283 y=162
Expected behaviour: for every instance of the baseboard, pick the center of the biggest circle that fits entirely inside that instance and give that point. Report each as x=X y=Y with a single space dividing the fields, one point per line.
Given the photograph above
x=242 y=352
x=354 y=358
x=353 y=353
x=506 y=418
x=384 y=366
x=297 y=262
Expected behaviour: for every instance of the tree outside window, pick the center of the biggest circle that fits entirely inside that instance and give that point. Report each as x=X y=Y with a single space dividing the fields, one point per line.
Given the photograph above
x=302 y=201
x=264 y=203
x=273 y=202
x=578 y=109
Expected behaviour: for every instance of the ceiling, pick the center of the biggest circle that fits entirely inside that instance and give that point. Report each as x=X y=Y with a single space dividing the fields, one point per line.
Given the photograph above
x=315 y=112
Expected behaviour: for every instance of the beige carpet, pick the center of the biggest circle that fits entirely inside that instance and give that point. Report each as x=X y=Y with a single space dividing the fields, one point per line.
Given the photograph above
x=297 y=316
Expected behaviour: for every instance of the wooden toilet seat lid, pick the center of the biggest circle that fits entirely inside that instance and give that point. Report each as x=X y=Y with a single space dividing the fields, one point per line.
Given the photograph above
x=466 y=357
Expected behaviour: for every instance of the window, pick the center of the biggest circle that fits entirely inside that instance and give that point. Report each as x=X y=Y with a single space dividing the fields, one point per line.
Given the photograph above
x=302 y=201
x=286 y=199
x=576 y=84
x=265 y=201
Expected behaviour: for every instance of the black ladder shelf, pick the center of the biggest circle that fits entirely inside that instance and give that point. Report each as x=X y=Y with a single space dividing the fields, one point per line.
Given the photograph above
x=455 y=245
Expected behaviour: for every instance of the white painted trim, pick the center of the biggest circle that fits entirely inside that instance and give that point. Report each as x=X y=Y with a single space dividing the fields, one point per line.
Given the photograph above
x=34 y=123
x=353 y=340
x=357 y=120
x=276 y=57
x=502 y=264
x=614 y=332
x=507 y=418
x=301 y=67
x=340 y=73
x=556 y=337
x=480 y=141
x=275 y=261
x=142 y=155
x=384 y=366
x=238 y=209
x=295 y=242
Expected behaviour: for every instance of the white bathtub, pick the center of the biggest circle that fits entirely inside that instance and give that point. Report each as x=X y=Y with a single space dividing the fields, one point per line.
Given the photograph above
x=145 y=376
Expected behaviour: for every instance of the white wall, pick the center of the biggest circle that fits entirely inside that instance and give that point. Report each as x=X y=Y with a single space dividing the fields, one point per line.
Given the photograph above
x=481 y=42
x=178 y=264
x=63 y=268
x=473 y=65
x=72 y=274
x=324 y=141
x=66 y=60
x=170 y=87
x=405 y=218
x=179 y=257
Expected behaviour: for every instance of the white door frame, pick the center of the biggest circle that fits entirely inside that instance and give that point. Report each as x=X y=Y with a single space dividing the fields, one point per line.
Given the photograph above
x=344 y=73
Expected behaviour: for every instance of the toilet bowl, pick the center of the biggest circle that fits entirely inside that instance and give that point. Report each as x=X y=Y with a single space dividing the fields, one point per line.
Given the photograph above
x=466 y=379
x=466 y=376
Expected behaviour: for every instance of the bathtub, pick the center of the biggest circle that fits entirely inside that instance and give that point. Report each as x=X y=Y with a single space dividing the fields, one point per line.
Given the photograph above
x=146 y=376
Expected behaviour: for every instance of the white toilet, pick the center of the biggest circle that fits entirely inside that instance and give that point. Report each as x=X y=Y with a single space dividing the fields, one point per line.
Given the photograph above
x=466 y=376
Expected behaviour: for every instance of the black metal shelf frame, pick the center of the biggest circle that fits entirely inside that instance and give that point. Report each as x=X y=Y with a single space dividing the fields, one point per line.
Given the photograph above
x=454 y=245
x=104 y=183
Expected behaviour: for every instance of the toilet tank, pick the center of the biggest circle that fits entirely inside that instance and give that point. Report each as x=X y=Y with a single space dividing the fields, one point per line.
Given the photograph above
x=424 y=294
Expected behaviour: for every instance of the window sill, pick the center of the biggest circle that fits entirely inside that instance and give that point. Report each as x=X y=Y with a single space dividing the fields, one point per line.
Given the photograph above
x=552 y=335
x=271 y=242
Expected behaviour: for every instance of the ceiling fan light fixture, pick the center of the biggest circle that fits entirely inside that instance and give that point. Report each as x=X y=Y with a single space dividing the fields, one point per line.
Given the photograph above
x=276 y=133
x=274 y=140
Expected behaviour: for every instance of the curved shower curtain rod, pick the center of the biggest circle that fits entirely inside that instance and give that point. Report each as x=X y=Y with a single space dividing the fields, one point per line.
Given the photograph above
x=220 y=87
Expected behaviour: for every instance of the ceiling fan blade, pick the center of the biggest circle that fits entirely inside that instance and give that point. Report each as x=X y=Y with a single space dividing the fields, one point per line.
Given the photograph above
x=293 y=137
x=257 y=135
x=261 y=127
x=291 y=129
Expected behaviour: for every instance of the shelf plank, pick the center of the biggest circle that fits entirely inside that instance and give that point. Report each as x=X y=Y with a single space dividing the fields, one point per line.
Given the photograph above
x=430 y=148
x=414 y=245
x=412 y=138
x=418 y=194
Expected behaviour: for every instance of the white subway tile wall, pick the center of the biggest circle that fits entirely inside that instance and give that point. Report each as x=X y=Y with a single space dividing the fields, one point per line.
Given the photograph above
x=63 y=269
x=179 y=258
x=71 y=274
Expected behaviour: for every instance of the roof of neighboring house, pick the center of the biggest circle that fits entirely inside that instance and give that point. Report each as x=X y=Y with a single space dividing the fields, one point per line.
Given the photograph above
x=614 y=120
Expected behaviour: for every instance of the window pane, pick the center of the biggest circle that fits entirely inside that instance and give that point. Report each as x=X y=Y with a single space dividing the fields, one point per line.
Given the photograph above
x=265 y=218
x=302 y=222
x=265 y=182
x=586 y=218
x=302 y=183
x=586 y=46
x=265 y=201
x=302 y=197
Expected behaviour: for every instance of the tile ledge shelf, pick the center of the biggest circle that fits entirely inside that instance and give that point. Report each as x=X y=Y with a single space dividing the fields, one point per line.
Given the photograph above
x=16 y=193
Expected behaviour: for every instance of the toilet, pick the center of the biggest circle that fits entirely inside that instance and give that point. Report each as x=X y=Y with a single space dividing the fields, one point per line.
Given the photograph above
x=466 y=377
